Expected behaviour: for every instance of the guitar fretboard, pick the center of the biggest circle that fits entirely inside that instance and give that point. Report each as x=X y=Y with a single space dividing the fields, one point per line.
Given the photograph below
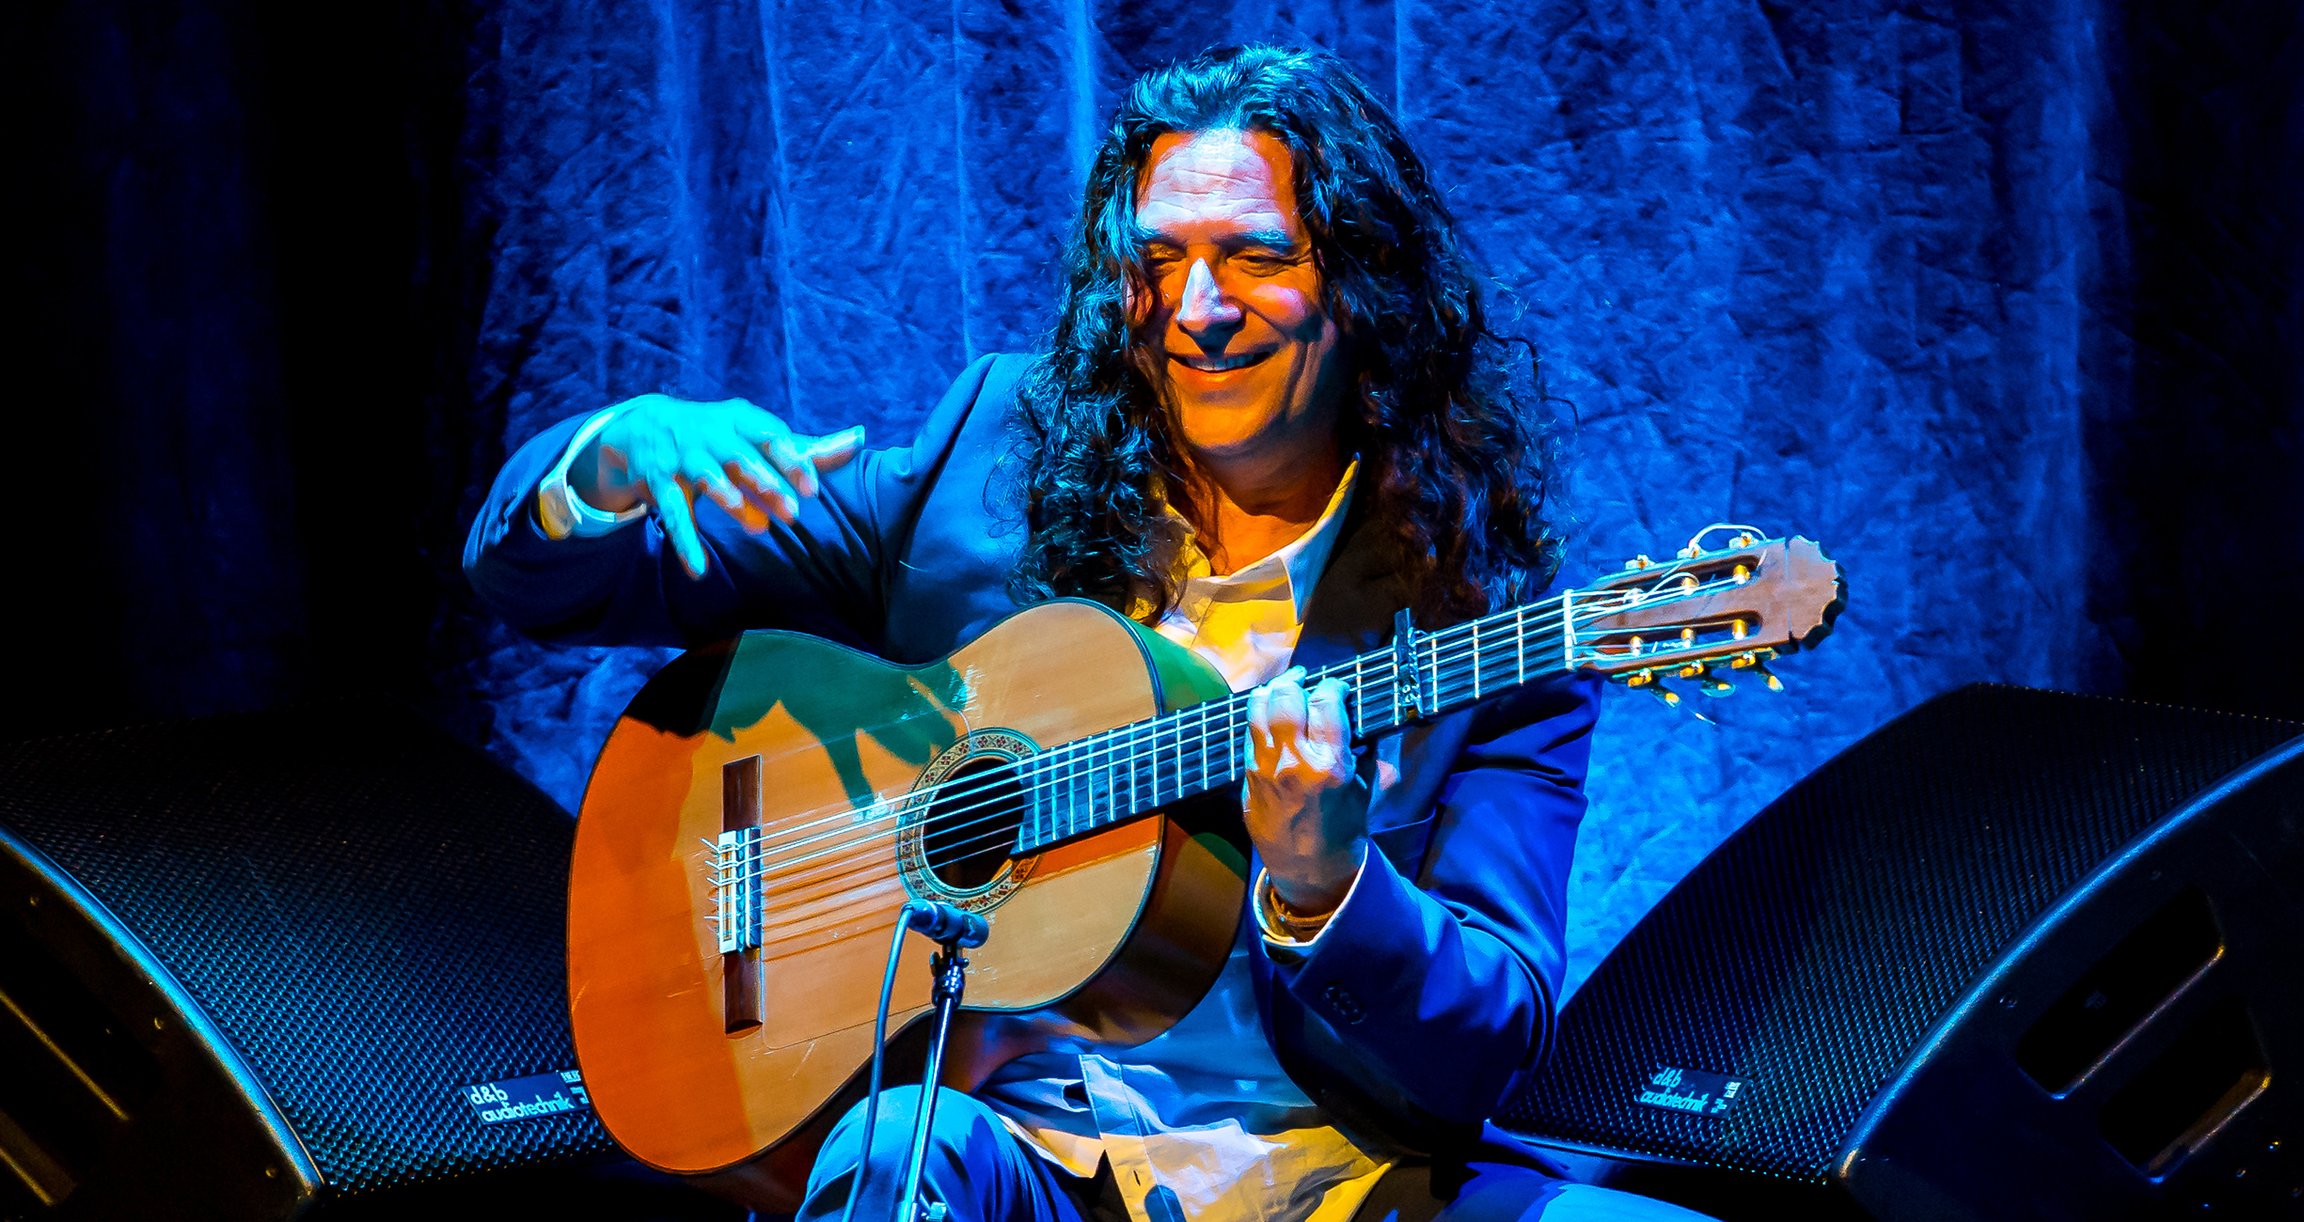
x=1091 y=783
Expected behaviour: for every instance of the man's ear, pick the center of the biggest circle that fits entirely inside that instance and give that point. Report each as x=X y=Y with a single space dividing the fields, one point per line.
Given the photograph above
x=1135 y=300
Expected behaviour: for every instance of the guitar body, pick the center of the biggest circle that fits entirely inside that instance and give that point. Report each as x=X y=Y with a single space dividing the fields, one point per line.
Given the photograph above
x=706 y=1060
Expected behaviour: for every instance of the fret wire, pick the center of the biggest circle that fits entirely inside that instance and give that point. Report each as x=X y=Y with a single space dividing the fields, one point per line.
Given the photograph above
x=1357 y=707
x=1520 y=641
x=1475 y=659
x=1370 y=719
x=1179 y=758
x=1208 y=713
x=1084 y=792
x=1149 y=761
x=1111 y=808
x=1198 y=718
x=1030 y=766
x=1111 y=772
x=1431 y=676
x=1387 y=684
x=1243 y=751
x=1435 y=698
x=1154 y=764
x=1205 y=714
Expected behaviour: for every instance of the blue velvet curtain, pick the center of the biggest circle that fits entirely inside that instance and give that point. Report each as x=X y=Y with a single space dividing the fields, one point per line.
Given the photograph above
x=1998 y=300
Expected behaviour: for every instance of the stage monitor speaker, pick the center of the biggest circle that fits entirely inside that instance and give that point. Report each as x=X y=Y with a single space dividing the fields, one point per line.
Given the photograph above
x=255 y=965
x=2016 y=955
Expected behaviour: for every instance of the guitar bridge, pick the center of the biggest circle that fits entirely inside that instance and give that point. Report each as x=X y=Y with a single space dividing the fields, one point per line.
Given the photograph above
x=736 y=909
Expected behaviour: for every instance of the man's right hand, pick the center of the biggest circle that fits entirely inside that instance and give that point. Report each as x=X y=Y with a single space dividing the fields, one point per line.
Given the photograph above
x=662 y=452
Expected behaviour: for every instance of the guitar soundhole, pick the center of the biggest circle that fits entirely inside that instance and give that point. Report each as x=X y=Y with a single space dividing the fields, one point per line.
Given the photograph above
x=972 y=824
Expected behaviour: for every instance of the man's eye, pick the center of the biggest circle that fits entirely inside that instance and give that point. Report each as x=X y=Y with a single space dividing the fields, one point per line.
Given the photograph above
x=1260 y=265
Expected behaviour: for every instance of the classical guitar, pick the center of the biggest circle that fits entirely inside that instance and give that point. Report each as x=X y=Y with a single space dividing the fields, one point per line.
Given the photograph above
x=765 y=807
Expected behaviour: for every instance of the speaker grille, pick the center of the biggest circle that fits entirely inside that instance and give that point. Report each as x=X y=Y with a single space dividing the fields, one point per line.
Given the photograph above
x=1807 y=956
x=372 y=914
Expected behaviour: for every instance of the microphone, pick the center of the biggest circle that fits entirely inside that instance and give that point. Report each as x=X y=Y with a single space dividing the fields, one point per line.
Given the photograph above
x=941 y=922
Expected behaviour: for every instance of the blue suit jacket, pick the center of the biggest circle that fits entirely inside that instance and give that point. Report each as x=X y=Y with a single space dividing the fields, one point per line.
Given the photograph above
x=1428 y=997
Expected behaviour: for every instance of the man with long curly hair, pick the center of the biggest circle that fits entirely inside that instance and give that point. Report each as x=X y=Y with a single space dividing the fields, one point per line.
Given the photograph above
x=1269 y=418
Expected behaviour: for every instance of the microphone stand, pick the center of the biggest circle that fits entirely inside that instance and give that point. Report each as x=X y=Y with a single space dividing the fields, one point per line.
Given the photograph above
x=951 y=971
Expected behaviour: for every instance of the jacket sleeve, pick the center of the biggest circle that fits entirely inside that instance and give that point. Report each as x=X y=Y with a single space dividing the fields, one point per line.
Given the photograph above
x=1447 y=984
x=825 y=573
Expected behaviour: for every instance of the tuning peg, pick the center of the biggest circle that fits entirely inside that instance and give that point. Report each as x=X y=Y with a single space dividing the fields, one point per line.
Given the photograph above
x=1647 y=680
x=1640 y=561
x=1706 y=679
x=1715 y=685
x=1758 y=665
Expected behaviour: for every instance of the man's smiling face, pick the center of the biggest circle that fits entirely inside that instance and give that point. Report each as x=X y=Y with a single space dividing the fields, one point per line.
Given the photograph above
x=1236 y=330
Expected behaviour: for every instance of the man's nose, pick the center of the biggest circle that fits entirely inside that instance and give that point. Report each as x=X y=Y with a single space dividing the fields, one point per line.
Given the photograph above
x=1205 y=312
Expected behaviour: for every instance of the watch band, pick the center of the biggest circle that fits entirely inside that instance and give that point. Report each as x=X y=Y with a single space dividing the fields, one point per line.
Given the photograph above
x=561 y=512
x=1283 y=924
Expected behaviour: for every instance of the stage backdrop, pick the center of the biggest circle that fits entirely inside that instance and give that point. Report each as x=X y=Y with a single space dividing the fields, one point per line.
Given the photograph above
x=1996 y=300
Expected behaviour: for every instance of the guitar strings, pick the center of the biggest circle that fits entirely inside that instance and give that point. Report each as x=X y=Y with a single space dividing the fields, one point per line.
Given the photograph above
x=836 y=886
x=1450 y=667
x=1079 y=756
x=944 y=828
x=1457 y=640
x=831 y=886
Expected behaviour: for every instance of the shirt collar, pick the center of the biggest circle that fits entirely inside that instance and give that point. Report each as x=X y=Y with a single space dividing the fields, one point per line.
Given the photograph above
x=1294 y=568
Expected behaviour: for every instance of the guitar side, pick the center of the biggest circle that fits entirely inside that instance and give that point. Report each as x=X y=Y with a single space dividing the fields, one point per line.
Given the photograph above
x=702 y=1060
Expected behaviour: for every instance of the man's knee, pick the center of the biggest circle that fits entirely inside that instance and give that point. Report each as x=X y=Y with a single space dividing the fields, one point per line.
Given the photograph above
x=959 y=1121
x=971 y=1164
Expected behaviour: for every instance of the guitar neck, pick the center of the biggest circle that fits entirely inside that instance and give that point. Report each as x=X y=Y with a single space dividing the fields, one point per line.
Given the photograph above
x=1103 y=779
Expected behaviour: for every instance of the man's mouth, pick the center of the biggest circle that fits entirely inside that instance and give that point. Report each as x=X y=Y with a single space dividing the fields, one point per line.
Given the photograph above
x=1218 y=364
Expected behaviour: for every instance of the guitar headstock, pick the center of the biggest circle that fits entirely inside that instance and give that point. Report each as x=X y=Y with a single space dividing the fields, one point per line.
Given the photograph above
x=1707 y=615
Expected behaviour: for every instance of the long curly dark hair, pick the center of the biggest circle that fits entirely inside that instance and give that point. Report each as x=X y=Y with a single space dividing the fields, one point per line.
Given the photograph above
x=1453 y=462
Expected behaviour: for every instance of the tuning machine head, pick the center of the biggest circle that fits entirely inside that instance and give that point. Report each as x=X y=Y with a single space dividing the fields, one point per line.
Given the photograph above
x=1755 y=662
x=1708 y=681
x=1647 y=680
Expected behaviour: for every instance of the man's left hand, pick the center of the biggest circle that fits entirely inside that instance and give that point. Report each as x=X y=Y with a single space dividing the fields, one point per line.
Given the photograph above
x=1306 y=810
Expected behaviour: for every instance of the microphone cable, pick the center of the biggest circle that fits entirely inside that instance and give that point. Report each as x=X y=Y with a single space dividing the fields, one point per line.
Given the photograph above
x=879 y=1053
x=939 y=922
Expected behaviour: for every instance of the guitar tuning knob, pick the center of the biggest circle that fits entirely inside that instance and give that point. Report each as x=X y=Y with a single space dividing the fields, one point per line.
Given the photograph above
x=1713 y=684
x=1759 y=666
x=1670 y=698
